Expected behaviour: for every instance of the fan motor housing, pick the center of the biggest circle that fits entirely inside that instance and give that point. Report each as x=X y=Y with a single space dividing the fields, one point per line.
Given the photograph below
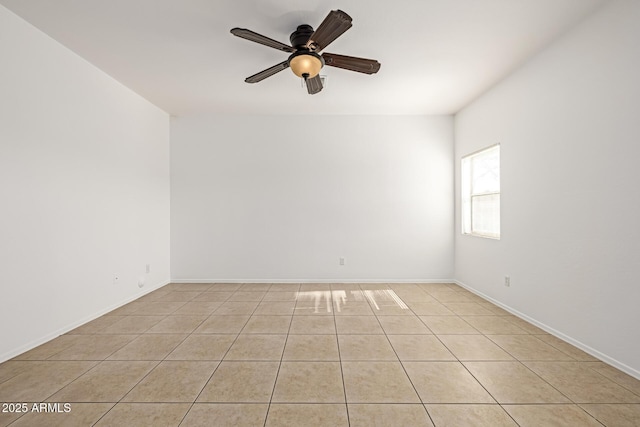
x=301 y=36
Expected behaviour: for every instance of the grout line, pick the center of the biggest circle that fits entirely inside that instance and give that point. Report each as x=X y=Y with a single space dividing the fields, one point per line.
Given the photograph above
x=275 y=382
x=344 y=385
x=223 y=356
x=587 y=365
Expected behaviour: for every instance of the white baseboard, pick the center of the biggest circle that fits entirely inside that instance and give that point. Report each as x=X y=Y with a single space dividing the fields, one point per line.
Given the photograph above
x=218 y=280
x=48 y=337
x=587 y=349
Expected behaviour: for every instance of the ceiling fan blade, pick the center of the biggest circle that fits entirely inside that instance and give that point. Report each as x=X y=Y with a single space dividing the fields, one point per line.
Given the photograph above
x=333 y=26
x=361 y=65
x=259 y=38
x=267 y=73
x=314 y=85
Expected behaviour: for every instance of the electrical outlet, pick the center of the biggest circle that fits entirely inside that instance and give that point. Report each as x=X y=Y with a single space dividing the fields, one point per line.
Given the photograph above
x=341 y=261
x=116 y=279
x=507 y=281
x=148 y=269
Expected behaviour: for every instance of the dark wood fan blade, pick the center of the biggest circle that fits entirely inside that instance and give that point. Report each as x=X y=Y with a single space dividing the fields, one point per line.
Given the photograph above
x=361 y=65
x=314 y=85
x=259 y=38
x=267 y=73
x=333 y=26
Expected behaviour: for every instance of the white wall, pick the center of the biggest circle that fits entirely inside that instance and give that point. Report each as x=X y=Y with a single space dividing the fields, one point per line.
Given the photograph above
x=569 y=128
x=84 y=189
x=264 y=198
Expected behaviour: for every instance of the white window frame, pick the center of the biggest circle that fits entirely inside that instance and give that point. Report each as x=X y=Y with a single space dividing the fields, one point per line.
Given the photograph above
x=468 y=195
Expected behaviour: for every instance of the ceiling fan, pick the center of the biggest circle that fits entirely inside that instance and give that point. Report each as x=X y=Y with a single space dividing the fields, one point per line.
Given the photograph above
x=305 y=60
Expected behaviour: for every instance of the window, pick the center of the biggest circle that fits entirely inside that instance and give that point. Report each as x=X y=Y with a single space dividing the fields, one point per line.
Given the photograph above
x=481 y=193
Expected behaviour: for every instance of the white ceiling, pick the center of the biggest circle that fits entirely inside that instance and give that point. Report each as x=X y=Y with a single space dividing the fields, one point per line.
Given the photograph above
x=436 y=55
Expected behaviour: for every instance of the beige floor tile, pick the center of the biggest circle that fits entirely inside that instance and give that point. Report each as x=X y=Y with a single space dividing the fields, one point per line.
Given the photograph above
x=241 y=382
x=172 y=381
x=107 y=382
x=215 y=296
x=351 y=292
x=284 y=287
x=315 y=287
x=494 y=308
x=41 y=379
x=224 y=287
x=127 y=309
x=567 y=348
x=253 y=287
x=309 y=382
x=377 y=382
x=581 y=383
x=430 y=309
x=619 y=415
x=415 y=295
x=311 y=347
x=149 y=347
x=365 y=347
x=13 y=367
x=158 y=308
x=177 y=324
x=314 y=304
x=9 y=417
x=226 y=415
x=280 y=296
x=388 y=415
x=401 y=325
x=473 y=347
x=308 y=415
x=358 y=325
x=513 y=383
x=94 y=347
x=616 y=375
x=528 y=347
x=312 y=325
x=96 y=325
x=467 y=309
x=188 y=287
x=154 y=295
x=445 y=382
x=494 y=325
x=352 y=308
x=419 y=347
x=550 y=416
x=48 y=349
x=144 y=415
x=391 y=309
x=222 y=324
x=202 y=347
x=436 y=287
x=131 y=325
x=449 y=325
x=470 y=415
x=271 y=324
x=257 y=347
x=80 y=415
x=231 y=308
x=526 y=326
x=283 y=308
x=247 y=296
x=198 y=307
x=178 y=296
x=446 y=296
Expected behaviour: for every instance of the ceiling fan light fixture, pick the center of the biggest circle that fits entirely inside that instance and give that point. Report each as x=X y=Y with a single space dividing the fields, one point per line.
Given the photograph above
x=305 y=64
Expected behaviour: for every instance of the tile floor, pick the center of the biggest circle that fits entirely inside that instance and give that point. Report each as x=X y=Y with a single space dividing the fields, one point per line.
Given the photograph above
x=314 y=355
